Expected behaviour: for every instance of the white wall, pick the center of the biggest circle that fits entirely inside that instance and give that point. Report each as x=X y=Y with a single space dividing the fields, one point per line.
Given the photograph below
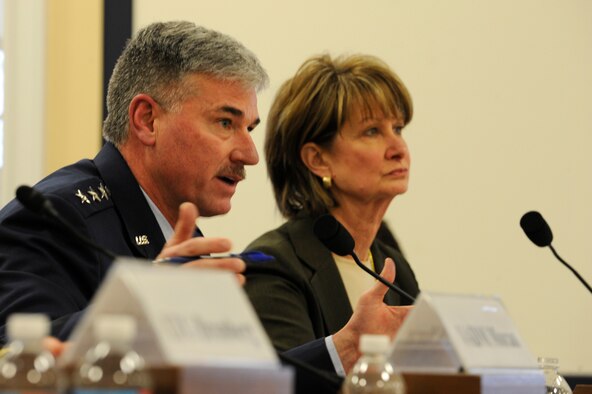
x=53 y=78
x=24 y=115
x=502 y=91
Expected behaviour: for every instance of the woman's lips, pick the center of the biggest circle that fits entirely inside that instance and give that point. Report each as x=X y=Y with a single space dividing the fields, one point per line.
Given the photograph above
x=398 y=172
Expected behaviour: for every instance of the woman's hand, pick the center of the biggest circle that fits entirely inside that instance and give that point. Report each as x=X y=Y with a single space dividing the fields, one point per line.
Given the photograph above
x=371 y=316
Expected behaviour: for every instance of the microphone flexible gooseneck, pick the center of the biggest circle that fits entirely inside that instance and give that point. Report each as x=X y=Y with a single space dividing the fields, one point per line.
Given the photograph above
x=36 y=202
x=538 y=231
x=339 y=241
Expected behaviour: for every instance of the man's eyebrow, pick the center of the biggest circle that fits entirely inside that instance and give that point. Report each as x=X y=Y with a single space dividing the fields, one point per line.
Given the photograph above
x=238 y=113
x=254 y=124
x=231 y=110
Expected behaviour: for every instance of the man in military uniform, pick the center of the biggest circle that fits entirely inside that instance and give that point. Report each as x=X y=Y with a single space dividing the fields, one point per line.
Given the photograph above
x=181 y=102
x=181 y=105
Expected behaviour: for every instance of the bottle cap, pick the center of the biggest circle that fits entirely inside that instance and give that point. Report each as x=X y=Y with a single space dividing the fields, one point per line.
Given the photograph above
x=548 y=362
x=27 y=326
x=374 y=343
x=115 y=328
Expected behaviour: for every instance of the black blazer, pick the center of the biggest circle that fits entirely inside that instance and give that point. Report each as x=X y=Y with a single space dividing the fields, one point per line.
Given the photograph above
x=300 y=296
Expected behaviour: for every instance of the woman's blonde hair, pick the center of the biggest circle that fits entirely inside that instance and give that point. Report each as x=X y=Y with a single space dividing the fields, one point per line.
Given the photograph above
x=312 y=107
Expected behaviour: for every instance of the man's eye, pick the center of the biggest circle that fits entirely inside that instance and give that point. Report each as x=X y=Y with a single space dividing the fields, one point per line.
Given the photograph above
x=226 y=123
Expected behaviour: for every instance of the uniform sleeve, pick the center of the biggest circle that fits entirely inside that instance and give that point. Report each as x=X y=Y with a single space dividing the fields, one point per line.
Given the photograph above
x=42 y=270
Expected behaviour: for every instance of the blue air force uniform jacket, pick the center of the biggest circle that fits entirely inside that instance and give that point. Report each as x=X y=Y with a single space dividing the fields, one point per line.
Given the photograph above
x=42 y=269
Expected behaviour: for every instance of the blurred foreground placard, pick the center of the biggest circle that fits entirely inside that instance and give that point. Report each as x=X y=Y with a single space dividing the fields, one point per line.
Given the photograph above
x=451 y=333
x=185 y=316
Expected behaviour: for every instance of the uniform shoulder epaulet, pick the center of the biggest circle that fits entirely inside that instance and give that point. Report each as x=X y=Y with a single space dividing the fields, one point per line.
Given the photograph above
x=90 y=196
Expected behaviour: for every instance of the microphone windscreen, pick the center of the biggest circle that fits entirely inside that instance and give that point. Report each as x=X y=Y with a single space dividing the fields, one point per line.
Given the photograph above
x=536 y=228
x=30 y=198
x=333 y=235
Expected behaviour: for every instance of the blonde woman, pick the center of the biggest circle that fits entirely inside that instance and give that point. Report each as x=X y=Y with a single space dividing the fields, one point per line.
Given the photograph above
x=334 y=144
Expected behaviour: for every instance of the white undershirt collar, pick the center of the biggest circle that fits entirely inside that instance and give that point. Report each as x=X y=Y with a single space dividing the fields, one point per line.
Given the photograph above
x=165 y=226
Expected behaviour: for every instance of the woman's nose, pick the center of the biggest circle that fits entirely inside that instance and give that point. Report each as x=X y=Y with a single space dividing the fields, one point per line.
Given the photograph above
x=397 y=148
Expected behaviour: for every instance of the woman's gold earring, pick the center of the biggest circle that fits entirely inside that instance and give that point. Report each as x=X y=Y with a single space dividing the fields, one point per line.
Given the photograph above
x=327 y=182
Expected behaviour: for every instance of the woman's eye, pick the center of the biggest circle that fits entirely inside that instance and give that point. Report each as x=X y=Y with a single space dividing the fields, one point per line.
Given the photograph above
x=398 y=130
x=371 y=132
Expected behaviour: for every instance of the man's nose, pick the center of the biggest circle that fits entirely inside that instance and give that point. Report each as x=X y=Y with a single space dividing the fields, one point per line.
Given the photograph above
x=245 y=151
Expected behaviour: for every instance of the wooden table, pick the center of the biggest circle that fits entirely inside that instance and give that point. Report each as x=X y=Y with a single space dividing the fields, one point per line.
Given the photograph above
x=583 y=389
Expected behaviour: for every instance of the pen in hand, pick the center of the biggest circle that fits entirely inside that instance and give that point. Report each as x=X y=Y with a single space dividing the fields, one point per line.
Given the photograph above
x=251 y=257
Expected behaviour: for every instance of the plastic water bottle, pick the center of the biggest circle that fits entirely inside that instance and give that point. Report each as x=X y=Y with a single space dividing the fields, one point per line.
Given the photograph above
x=554 y=382
x=111 y=365
x=373 y=374
x=27 y=367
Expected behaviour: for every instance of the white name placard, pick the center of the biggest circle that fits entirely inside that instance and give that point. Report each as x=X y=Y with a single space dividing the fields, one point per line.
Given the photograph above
x=185 y=316
x=450 y=332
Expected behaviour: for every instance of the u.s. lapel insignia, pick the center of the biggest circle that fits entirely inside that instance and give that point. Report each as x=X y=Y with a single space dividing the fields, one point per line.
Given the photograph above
x=104 y=191
x=93 y=194
x=82 y=196
x=142 y=240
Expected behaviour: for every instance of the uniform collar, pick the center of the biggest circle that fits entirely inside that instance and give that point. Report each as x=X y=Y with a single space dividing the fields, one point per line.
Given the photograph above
x=143 y=231
x=165 y=226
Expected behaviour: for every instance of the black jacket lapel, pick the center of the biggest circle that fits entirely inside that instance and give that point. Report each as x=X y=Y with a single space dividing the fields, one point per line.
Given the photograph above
x=326 y=280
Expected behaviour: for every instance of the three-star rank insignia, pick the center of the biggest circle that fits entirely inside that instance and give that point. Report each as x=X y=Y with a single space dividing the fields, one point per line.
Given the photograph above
x=91 y=195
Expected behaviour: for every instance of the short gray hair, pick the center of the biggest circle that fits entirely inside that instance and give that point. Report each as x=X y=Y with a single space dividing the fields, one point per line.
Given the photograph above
x=158 y=59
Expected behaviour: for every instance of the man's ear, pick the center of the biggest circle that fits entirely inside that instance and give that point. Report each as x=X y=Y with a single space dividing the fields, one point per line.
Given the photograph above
x=312 y=156
x=143 y=111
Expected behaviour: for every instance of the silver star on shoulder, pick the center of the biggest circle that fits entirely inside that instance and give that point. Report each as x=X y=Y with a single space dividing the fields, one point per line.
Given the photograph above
x=104 y=191
x=93 y=194
x=83 y=198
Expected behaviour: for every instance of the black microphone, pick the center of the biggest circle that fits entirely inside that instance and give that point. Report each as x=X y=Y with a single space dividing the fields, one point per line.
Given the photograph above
x=536 y=228
x=339 y=241
x=36 y=202
x=539 y=232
